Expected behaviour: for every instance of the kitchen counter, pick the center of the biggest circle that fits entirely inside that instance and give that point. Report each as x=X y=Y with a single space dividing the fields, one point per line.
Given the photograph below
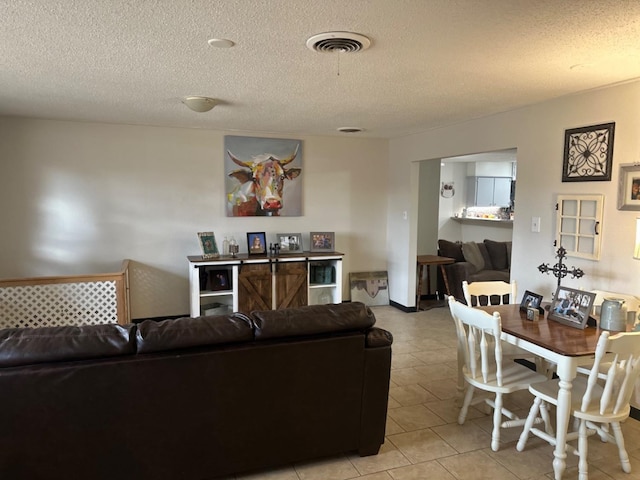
x=480 y=220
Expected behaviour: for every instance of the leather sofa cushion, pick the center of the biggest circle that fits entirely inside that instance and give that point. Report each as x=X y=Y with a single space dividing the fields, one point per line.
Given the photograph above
x=154 y=336
x=473 y=255
x=451 y=250
x=312 y=320
x=498 y=253
x=27 y=346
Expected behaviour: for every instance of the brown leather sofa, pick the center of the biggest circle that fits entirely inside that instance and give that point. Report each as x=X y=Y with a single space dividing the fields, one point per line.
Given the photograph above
x=475 y=262
x=193 y=398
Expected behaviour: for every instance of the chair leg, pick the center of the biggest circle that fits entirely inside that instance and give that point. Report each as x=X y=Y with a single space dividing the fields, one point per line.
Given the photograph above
x=583 y=473
x=465 y=405
x=497 y=420
x=533 y=413
x=622 y=452
x=544 y=413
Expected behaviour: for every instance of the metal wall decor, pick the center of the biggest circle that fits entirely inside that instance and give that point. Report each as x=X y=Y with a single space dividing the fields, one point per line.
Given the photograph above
x=588 y=153
x=560 y=270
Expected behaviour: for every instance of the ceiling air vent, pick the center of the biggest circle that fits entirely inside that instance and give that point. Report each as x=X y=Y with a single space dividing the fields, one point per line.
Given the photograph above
x=346 y=42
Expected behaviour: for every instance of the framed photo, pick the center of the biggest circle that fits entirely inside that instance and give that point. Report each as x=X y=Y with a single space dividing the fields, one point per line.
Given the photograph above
x=588 y=153
x=256 y=243
x=290 y=242
x=208 y=245
x=571 y=307
x=218 y=280
x=530 y=299
x=322 y=241
x=629 y=187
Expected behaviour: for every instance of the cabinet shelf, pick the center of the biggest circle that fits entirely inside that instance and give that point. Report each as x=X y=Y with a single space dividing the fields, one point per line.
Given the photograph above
x=217 y=293
x=322 y=285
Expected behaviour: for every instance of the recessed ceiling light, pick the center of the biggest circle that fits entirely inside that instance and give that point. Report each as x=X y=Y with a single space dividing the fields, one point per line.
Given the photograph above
x=350 y=129
x=220 y=43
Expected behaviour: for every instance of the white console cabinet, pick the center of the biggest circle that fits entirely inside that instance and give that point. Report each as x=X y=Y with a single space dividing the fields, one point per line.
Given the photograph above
x=246 y=282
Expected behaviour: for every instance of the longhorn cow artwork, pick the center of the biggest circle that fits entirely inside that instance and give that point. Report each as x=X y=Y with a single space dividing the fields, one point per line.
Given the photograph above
x=267 y=183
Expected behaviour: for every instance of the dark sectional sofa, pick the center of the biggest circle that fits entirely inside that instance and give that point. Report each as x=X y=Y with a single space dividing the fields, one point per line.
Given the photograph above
x=475 y=262
x=193 y=398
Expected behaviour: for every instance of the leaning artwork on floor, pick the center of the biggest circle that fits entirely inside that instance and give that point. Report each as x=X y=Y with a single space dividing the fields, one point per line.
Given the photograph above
x=370 y=288
x=267 y=183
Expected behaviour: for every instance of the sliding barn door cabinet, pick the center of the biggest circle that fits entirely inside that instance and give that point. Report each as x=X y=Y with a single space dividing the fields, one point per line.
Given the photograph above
x=245 y=283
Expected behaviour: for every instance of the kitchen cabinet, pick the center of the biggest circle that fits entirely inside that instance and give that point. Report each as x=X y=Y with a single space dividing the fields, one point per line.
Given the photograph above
x=489 y=191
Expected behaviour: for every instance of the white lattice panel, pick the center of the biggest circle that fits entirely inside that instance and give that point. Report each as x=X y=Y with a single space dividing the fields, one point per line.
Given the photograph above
x=49 y=305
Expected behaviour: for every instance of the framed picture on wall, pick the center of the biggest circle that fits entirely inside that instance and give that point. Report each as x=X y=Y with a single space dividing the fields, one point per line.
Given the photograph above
x=588 y=153
x=629 y=187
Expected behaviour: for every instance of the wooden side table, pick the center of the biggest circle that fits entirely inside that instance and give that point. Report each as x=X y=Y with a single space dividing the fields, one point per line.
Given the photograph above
x=429 y=260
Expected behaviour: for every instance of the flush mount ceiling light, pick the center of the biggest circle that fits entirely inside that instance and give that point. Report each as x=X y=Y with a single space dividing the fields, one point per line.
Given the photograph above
x=350 y=129
x=199 y=104
x=347 y=42
x=220 y=43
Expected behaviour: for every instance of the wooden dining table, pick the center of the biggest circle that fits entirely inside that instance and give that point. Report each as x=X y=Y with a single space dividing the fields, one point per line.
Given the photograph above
x=565 y=346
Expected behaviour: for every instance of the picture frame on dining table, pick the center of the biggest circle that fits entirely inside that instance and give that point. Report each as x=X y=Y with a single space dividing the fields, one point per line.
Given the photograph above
x=530 y=299
x=572 y=307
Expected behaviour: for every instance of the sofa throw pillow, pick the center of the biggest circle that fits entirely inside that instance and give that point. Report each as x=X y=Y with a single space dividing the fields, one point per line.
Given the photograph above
x=451 y=250
x=472 y=254
x=498 y=254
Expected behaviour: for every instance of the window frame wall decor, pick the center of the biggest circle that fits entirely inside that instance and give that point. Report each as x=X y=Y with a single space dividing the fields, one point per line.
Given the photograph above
x=267 y=183
x=582 y=223
x=629 y=175
x=588 y=153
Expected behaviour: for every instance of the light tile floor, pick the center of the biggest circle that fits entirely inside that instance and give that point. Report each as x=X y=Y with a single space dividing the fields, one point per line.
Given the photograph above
x=423 y=438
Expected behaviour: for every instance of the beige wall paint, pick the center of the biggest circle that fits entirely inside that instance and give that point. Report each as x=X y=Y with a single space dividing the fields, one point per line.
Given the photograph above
x=538 y=134
x=81 y=197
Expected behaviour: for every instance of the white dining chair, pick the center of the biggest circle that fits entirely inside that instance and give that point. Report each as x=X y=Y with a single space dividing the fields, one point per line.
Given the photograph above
x=598 y=401
x=482 y=366
x=494 y=290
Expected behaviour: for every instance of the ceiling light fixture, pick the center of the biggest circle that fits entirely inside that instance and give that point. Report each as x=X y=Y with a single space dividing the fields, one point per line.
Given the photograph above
x=199 y=104
x=350 y=130
x=220 y=43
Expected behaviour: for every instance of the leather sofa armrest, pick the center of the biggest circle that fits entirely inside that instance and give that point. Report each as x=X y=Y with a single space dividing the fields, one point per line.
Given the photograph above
x=378 y=337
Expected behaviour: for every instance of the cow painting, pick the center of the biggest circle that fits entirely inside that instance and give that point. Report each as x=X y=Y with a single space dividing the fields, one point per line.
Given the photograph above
x=259 y=188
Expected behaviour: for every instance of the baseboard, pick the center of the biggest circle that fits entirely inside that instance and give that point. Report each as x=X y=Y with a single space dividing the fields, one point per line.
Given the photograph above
x=402 y=307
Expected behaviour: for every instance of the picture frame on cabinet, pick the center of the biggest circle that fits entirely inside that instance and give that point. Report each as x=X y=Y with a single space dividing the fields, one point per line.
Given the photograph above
x=218 y=280
x=322 y=241
x=208 y=245
x=629 y=187
x=588 y=153
x=256 y=243
x=289 y=242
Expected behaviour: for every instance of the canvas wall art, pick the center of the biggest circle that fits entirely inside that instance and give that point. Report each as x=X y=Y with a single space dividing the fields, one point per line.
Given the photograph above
x=370 y=288
x=262 y=176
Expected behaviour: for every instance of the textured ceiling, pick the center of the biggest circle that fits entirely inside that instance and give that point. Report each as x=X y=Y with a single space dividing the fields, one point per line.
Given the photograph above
x=431 y=62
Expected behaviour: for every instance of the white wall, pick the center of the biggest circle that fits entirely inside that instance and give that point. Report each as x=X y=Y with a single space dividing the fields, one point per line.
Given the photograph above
x=81 y=197
x=538 y=134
